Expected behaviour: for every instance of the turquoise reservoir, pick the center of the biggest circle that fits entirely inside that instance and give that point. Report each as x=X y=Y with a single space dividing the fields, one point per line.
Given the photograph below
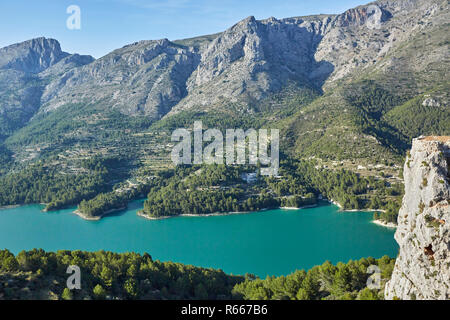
x=272 y=242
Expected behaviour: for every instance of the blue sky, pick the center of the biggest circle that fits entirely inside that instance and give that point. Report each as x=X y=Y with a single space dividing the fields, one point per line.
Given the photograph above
x=109 y=24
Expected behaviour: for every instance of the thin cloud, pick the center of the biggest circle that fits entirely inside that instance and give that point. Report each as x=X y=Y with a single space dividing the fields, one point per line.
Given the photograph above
x=158 y=4
x=199 y=6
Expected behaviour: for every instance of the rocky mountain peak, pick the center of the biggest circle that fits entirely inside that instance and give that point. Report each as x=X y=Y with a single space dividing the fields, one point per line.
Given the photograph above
x=32 y=56
x=372 y=16
x=146 y=77
x=248 y=62
x=255 y=58
x=423 y=234
x=248 y=22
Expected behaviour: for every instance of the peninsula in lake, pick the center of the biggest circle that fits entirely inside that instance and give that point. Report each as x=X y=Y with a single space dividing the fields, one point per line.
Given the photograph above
x=360 y=100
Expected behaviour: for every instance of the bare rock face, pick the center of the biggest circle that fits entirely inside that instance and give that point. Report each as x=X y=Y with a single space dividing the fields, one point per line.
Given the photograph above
x=237 y=68
x=430 y=102
x=147 y=77
x=255 y=58
x=65 y=64
x=422 y=269
x=32 y=56
x=24 y=70
x=372 y=16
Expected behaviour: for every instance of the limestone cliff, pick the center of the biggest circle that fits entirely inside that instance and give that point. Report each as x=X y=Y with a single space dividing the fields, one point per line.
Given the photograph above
x=422 y=269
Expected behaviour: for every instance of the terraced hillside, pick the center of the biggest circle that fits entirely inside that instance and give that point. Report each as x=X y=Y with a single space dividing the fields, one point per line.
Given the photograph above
x=349 y=91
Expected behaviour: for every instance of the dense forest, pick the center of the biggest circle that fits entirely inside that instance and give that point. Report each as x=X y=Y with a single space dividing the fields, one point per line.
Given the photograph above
x=203 y=190
x=37 y=274
x=41 y=183
x=102 y=203
x=5 y=159
x=220 y=188
x=351 y=190
x=198 y=189
x=213 y=189
x=114 y=200
x=105 y=275
x=344 y=281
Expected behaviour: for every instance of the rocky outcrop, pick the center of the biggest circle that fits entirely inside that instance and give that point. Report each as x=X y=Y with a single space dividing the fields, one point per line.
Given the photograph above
x=245 y=63
x=235 y=69
x=422 y=269
x=147 y=77
x=255 y=58
x=430 y=102
x=371 y=16
x=32 y=56
x=24 y=72
x=65 y=64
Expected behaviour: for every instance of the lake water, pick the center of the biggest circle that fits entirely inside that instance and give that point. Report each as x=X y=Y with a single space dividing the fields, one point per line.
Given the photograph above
x=272 y=242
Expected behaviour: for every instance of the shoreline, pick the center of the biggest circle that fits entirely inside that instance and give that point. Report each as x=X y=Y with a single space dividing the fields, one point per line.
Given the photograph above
x=335 y=203
x=140 y=214
x=377 y=222
x=96 y=218
x=217 y=214
x=363 y=210
x=353 y=210
x=302 y=207
x=11 y=206
x=385 y=224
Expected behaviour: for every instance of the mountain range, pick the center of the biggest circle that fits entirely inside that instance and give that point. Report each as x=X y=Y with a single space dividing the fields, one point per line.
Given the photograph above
x=352 y=86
